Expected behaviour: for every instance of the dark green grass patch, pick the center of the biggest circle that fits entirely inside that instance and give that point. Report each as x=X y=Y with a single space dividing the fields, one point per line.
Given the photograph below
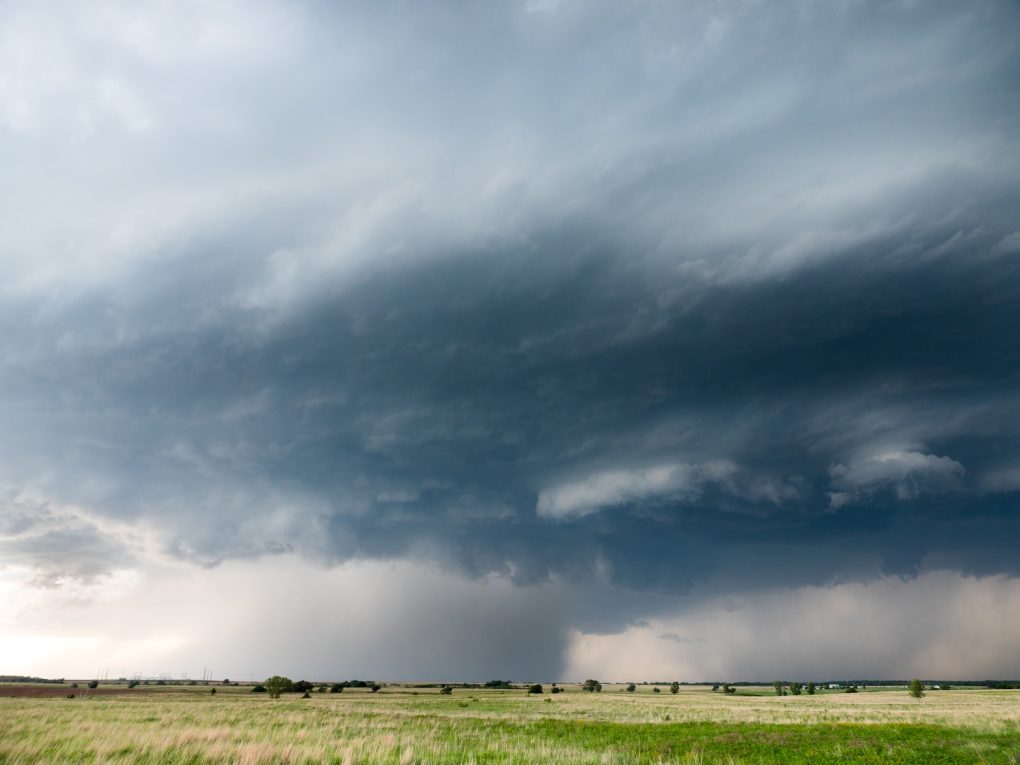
x=758 y=743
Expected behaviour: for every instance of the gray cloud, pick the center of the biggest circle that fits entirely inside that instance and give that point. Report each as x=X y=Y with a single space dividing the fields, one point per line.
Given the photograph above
x=58 y=545
x=908 y=474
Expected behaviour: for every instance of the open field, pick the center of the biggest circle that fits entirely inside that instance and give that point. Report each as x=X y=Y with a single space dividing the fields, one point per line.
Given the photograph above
x=403 y=726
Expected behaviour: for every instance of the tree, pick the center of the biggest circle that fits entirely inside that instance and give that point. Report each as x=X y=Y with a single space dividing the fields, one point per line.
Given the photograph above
x=592 y=686
x=277 y=685
x=727 y=688
x=780 y=690
x=336 y=688
x=259 y=689
x=631 y=688
x=656 y=689
x=302 y=686
x=715 y=687
x=916 y=689
x=795 y=688
x=93 y=683
x=133 y=684
x=212 y=691
x=374 y=687
x=446 y=690
x=536 y=688
x=811 y=689
x=674 y=688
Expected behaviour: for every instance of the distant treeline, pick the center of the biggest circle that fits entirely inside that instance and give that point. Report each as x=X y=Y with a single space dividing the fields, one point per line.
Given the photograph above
x=506 y=684
x=1003 y=684
x=304 y=685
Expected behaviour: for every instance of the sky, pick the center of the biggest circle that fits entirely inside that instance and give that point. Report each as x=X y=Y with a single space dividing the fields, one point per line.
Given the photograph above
x=537 y=340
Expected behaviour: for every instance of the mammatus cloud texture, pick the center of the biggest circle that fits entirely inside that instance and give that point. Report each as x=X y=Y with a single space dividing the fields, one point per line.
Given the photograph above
x=569 y=323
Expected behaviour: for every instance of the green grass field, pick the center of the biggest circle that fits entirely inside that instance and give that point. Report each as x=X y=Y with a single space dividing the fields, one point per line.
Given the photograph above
x=401 y=725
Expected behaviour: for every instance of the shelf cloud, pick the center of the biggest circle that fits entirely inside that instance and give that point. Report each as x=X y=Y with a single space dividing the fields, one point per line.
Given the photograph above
x=649 y=304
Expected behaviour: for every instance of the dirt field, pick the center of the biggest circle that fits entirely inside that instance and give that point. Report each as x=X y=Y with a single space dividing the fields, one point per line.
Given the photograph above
x=61 y=691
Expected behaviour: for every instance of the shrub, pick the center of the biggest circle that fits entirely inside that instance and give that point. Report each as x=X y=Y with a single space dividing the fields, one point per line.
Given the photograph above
x=277 y=685
x=93 y=683
x=535 y=688
x=674 y=688
x=916 y=689
x=656 y=689
x=728 y=688
x=306 y=695
x=212 y=691
x=556 y=689
x=259 y=689
x=446 y=690
x=631 y=688
x=133 y=684
x=374 y=687
x=851 y=689
x=336 y=688
x=592 y=686
x=810 y=689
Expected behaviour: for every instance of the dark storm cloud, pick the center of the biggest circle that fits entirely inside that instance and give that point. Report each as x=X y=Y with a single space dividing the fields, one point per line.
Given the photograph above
x=652 y=295
x=439 y=412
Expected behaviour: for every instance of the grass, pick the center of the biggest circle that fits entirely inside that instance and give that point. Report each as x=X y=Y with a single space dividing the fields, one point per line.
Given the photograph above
x=400 y=727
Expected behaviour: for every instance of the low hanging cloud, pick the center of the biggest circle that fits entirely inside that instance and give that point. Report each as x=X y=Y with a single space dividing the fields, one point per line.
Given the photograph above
x=677 y=483
x=907 y=474
x=60 y=545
